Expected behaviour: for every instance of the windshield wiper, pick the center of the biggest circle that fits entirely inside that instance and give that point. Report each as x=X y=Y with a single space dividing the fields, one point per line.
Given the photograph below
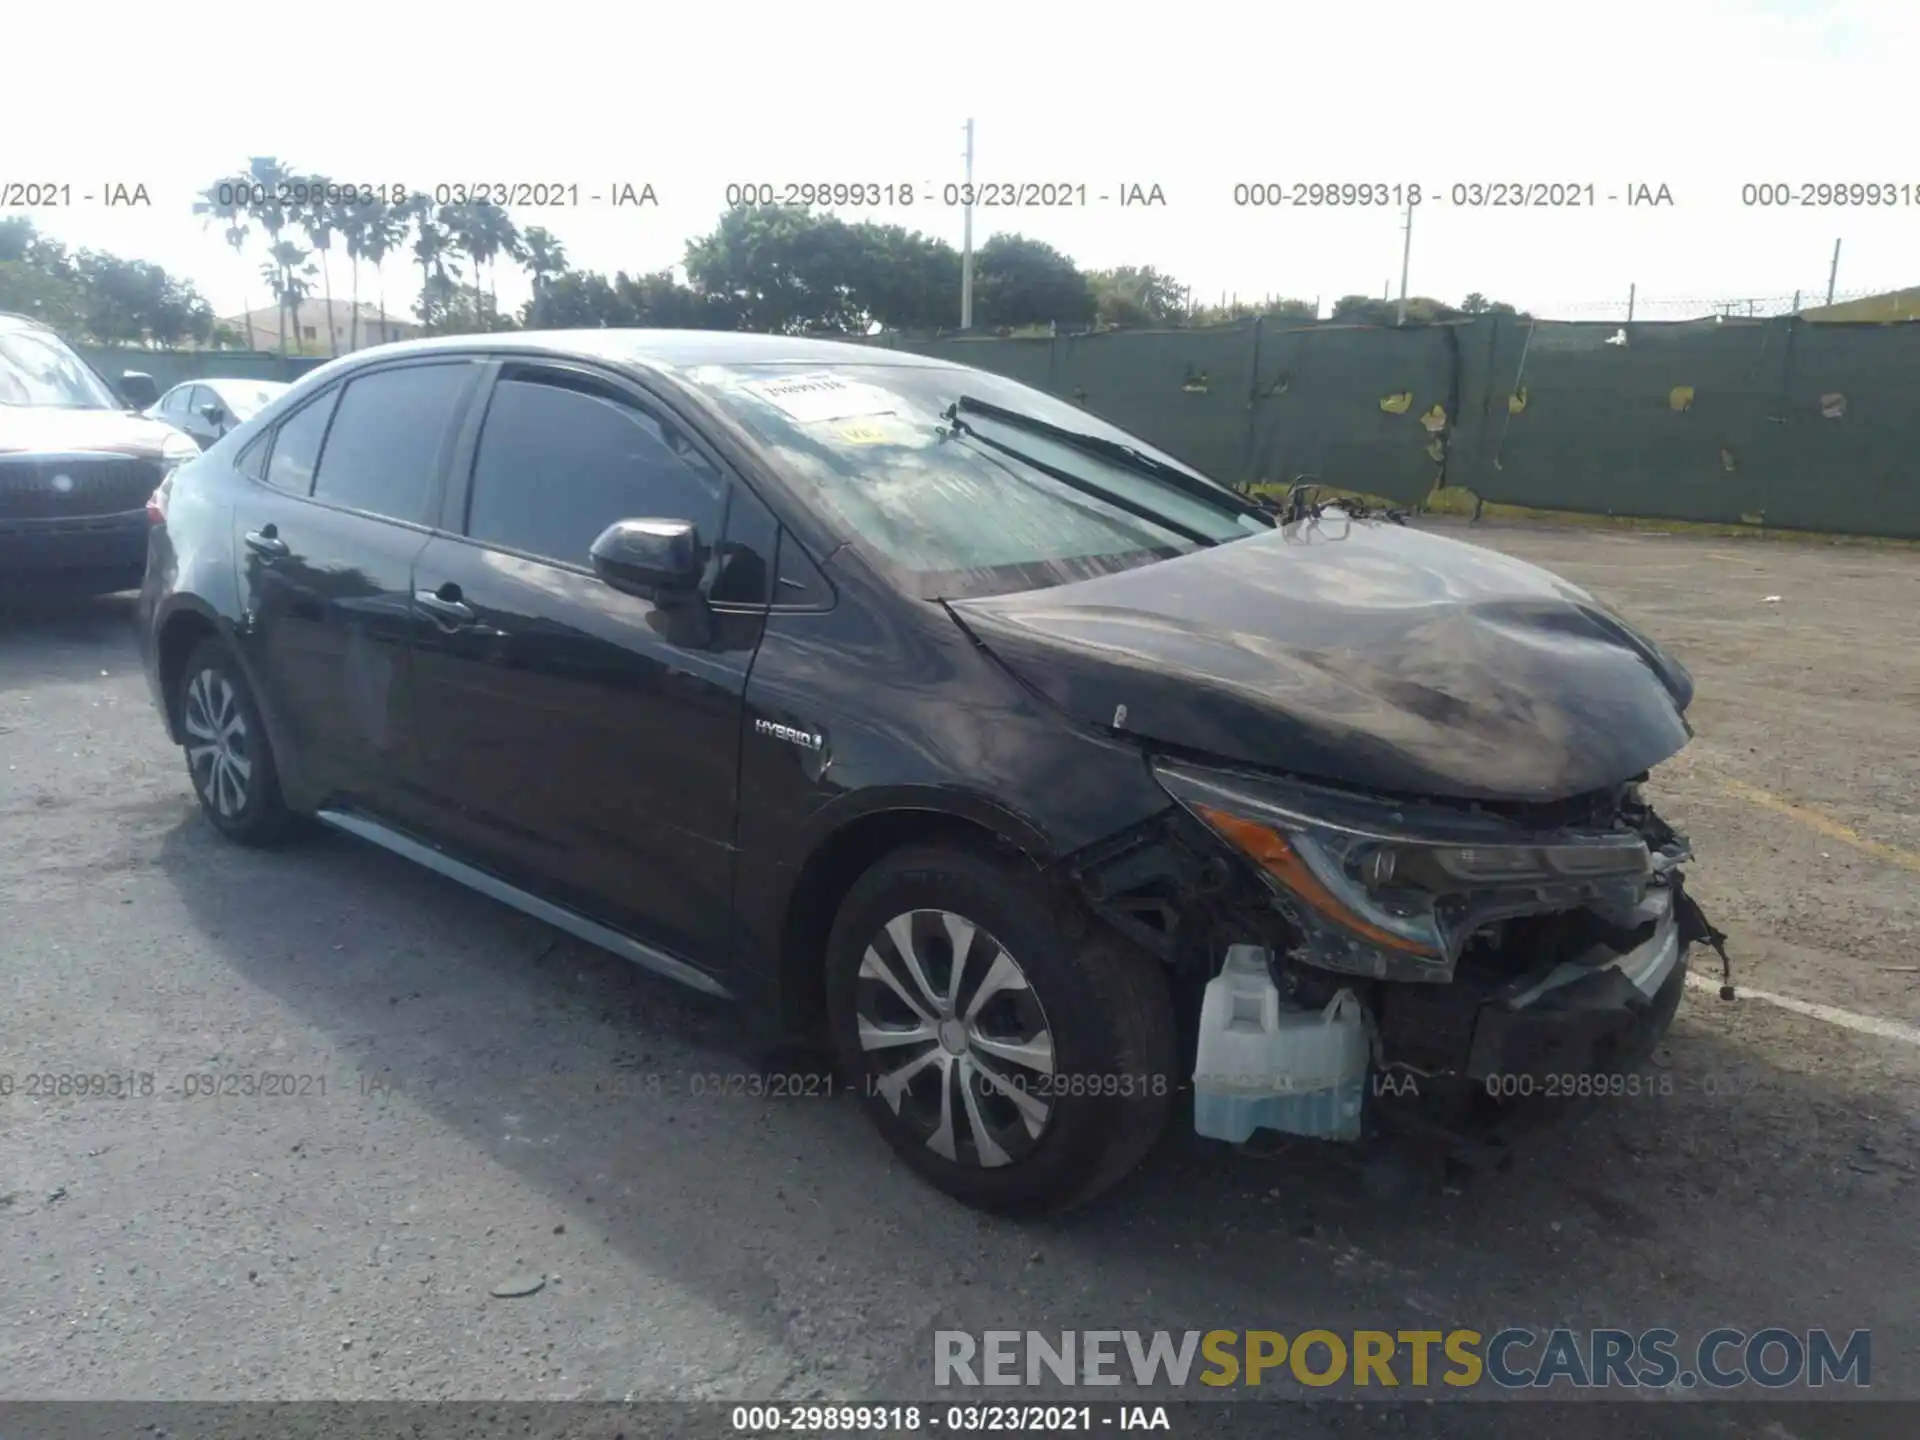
x=1124 y=455
x=1076 y=482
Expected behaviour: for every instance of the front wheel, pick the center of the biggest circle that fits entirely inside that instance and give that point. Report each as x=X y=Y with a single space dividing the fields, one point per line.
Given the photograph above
x=1010 y=1051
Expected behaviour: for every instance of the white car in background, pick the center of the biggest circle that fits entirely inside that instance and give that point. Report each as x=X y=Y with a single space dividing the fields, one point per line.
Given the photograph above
x=208 y=409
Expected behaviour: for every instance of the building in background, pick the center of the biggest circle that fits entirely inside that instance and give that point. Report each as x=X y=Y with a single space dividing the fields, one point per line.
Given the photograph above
x=322 y=328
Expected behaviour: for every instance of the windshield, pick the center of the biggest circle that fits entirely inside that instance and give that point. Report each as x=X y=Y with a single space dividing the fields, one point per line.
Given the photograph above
x=957 y=515
x=37 y=369
x=246 y=400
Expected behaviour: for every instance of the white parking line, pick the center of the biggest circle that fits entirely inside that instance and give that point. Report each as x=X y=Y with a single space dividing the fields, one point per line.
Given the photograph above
x=1846 y=1019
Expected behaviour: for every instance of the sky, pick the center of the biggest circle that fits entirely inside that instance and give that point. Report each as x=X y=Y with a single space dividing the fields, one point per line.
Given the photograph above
x=1699 y=96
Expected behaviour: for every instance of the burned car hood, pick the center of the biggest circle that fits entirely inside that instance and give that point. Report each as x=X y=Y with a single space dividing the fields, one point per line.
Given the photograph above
x=1358 y=652
x=50 y=429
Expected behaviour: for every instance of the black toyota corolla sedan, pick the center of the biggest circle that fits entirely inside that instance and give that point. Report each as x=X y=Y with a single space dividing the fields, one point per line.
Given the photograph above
x=929 y=715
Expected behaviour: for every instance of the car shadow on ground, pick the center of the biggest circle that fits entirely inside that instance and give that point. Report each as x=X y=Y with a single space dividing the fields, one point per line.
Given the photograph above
x=1647 y=1211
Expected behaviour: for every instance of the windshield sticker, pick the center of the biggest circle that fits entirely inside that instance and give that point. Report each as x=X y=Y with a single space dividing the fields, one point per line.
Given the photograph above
x=882 y=430
x=810 y=399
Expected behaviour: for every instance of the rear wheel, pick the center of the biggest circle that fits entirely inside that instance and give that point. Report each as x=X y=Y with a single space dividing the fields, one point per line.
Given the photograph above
x=229 y=758
x=1009 y=1050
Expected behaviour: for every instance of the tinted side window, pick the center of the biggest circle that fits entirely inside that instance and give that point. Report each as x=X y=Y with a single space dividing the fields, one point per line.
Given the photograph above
x=556 y=465
x=296 y=445
x=252 y=461
x=175 y=402
x=745 y=572
x=385 y=440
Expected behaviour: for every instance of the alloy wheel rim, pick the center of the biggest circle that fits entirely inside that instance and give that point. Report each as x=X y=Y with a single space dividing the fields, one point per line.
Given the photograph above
x=218 y=753
x=958 y=1044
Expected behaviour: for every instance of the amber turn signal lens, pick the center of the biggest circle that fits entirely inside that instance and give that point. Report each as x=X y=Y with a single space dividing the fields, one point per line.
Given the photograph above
x=1269 y=849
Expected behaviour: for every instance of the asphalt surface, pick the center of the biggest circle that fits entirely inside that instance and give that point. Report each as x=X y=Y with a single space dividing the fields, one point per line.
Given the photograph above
x=469 y=1100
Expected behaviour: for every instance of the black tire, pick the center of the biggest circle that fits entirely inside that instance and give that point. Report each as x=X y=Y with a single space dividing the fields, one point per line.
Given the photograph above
x=237 y=785
x=1104 y=1006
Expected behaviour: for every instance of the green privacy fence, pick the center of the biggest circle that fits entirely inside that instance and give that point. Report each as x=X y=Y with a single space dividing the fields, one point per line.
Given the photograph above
x=1781 y=422
x=169 y=367
x=1776 y=422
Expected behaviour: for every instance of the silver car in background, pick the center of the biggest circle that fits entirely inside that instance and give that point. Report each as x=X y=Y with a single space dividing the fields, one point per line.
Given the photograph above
x=208 y=409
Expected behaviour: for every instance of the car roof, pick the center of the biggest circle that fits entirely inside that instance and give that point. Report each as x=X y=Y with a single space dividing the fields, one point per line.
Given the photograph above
x=11 y=321
x=216 y=381
x=665 y=349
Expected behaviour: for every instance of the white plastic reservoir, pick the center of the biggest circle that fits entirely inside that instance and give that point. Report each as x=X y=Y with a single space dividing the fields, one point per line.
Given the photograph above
x=1264 y=1065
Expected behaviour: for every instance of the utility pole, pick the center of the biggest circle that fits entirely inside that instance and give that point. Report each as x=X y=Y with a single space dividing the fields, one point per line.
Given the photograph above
x=1633 y=290
x=1406 y=258
x=966 y=243
x=1833 y=271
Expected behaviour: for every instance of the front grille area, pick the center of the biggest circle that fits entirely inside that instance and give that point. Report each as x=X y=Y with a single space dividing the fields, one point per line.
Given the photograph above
x=32 y=488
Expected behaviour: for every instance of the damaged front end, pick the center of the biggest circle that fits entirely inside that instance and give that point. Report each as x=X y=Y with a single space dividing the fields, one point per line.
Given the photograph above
x=1359 y=964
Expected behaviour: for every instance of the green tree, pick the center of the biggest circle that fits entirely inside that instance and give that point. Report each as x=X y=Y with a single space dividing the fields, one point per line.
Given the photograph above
x=577 y=300
x=350 y=219
x=37 y=277
x=546 y=261
x=319 y=218
x=265 y=204
x=92 y=295
x=1137 y=295
x=1367 y=310
x=1278 y=308
x=1018 y=281
x=905 y=280
x=782 y=269
x=386 y=230
x=289 y=270
x=433 y=250
x=222 y=204
x=484 y=231
x=1478 y=304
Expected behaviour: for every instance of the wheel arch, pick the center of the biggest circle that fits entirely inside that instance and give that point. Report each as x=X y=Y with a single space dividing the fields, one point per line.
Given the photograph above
x=177 y=635
x=846 y=848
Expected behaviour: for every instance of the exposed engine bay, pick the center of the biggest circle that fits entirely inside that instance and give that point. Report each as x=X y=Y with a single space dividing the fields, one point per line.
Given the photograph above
x=1497 y=952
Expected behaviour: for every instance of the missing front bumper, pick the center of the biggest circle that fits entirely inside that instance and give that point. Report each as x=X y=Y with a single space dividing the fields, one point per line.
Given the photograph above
x=1440 y=1052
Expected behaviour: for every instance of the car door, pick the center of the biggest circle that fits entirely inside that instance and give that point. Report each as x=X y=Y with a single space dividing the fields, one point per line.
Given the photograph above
x=173 y=408
x=579 y=739
x=326 y=545
x=211 y=429
x=192 y=397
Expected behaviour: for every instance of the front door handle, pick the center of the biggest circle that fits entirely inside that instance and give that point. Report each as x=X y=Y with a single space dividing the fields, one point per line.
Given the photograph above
x=266 y=541
x=445 y=604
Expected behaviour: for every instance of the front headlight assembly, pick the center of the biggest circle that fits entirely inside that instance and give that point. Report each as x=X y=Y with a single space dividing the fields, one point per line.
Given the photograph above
x=1394 y=891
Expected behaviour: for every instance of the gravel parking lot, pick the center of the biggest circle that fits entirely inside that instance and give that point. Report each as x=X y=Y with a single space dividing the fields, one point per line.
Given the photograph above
x=477 y=1099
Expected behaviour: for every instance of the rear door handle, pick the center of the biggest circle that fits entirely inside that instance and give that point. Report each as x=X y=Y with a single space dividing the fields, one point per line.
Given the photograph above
x=266 y=541
x=445 y=603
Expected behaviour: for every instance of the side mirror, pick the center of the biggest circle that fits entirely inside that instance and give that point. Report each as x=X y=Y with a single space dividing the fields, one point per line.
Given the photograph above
x=658 y=560
x=213 y=414
x=138 y=390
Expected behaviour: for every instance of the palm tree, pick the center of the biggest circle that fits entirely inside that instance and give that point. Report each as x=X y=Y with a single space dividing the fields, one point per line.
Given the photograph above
x=264 y=204
x=219 y=201
x=350 y=219
x=386 y=231
x=483 y=231
x=317 y=218
x=546 y=261
x=289 y=270
x=433 y=248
